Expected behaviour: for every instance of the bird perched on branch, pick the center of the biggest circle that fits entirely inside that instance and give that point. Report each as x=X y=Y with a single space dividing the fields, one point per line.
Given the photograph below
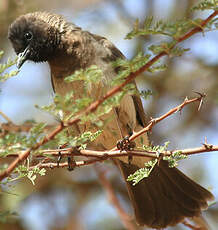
x=167 y=196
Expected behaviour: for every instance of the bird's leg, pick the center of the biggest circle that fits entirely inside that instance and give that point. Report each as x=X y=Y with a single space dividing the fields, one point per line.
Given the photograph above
x=71 y=163
x=59 y=154
x=126 y=145
x=59 y=157
x=70 y=159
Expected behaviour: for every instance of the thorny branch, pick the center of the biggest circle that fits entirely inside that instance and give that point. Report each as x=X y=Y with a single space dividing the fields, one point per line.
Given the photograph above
x=126 y=219
x=99 y=156
x=110 y=93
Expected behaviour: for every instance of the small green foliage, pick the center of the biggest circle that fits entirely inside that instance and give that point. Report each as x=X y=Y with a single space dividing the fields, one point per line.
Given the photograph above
x=207 y=5
x=142 y=173
x=5 y=215
x=3 y=67
x=171 y=29
x=16 y=142
x=84 y=138
x=80 y=141
x=109 y=103
x=65 y=107
x=129 y=66
x=36 y=133
x=145 y=94
x=169 y=48
x=31 y=174
x=157 y=148
x=174 y=158
x=149 y=27
x=177 y=51
x=157 y=68
x=11 y=143
x=3 y=167
x=93 y=74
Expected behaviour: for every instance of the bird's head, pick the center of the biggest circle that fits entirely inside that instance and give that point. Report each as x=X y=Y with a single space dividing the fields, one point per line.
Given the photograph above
x=33 y=38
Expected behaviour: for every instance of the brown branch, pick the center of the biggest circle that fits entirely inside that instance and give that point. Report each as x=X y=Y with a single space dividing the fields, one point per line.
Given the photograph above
x=124 y=217
x=5 y=117
x=164 y=116
x=10 y=127
x=148 y=128
x=104 y=155
x=95 y=104
x=198 y=28
x=100 y=156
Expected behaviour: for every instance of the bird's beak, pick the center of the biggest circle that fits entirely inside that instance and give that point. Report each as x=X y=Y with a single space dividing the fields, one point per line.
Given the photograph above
x=22 y=57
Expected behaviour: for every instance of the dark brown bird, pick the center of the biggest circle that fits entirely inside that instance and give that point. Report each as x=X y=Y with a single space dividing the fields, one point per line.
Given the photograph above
x=167 y=196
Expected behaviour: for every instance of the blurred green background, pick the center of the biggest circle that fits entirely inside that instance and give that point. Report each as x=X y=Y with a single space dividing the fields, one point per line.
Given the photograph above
x=64 y=200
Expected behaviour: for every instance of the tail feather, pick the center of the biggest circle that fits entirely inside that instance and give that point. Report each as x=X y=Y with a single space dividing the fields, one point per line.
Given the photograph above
x=179 y=194
x=188 y=186
x=166 y=197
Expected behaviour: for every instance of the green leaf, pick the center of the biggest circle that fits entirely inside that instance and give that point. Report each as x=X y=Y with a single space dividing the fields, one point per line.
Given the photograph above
x=145 y=94
x=91 y=75
x=142 y=173
x=169 y=48
x=129 y=66
x=5 y=215
x=5 y=66
x=157 y=148
x=207 y=5
x=24 y=171
x=174 y=158
x=77 y=141
x=171 y=29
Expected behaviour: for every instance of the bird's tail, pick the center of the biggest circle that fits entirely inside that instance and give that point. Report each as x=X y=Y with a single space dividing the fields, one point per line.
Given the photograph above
x=166 y=197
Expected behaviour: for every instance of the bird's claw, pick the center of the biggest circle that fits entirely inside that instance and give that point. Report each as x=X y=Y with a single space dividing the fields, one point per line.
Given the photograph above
x=126 y=145
x=71 y=163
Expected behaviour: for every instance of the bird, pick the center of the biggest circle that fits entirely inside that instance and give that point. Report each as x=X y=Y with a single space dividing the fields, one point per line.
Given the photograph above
x=167 y=196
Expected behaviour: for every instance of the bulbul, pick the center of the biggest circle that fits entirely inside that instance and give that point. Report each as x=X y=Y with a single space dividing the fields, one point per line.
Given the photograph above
x=167 y=196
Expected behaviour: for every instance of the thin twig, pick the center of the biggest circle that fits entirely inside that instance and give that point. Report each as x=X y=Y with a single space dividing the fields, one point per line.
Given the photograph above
x=5 y=117
x=100 y=156
x=124 y=217
x=164 y=116
x=104 y=155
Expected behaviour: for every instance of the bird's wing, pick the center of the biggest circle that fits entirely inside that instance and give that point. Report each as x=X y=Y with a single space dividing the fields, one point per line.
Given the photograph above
x=114 y=55
x=129 y=114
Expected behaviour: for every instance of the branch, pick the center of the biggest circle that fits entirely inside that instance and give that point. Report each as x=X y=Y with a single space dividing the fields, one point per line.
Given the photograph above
x=124 y=217
x=94 y=153
x=5 y=117
x=100 y=156
x=95 y=104
x=13 y=128
x=172 y=111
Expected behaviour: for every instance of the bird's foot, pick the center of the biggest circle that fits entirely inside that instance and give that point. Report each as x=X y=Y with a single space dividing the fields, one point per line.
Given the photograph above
x=59 y=154
x=71 y=163
x=126 y=145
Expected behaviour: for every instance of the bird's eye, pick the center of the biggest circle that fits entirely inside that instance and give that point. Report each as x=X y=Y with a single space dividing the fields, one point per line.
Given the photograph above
x=28 y=36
